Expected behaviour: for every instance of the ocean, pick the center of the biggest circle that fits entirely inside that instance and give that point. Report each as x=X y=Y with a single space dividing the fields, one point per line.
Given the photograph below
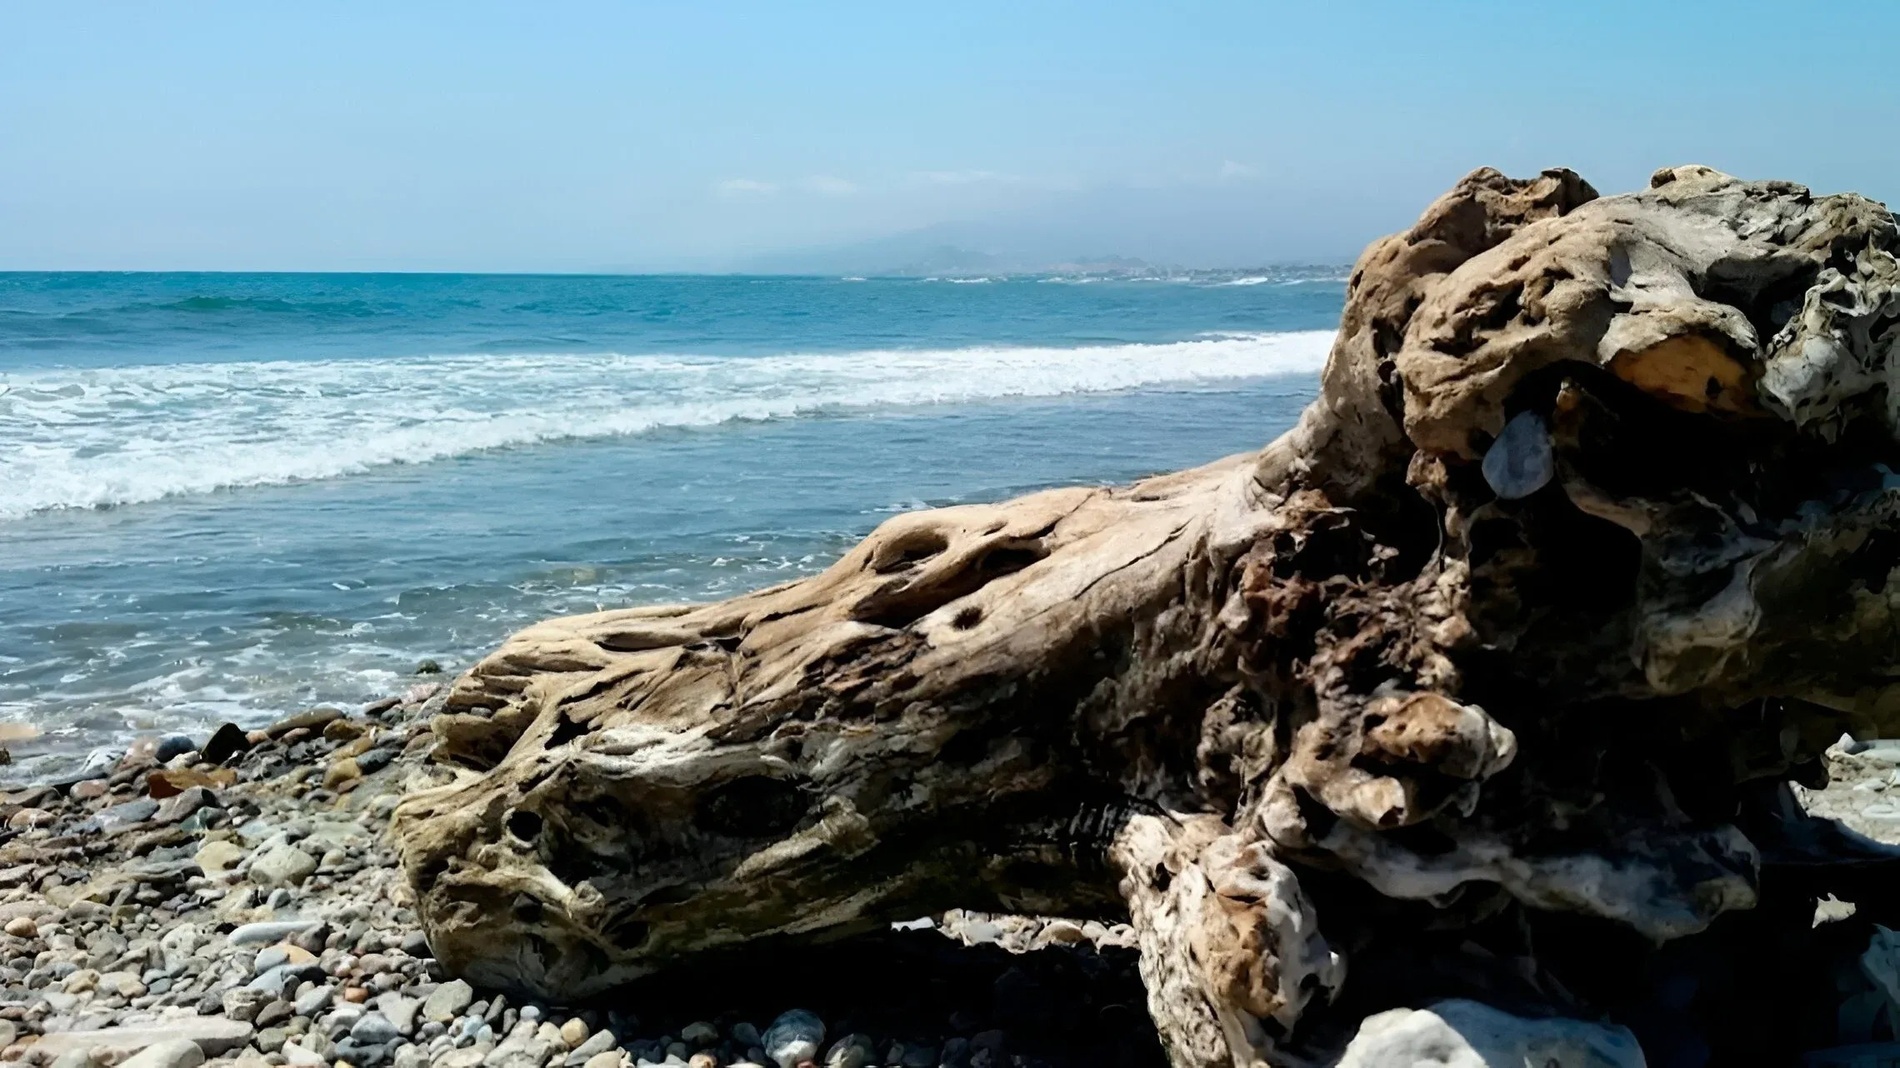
x=233 y=496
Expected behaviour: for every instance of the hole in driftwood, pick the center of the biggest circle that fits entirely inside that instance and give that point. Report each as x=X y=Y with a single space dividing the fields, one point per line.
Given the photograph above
x=524 y=825
x=757 y=806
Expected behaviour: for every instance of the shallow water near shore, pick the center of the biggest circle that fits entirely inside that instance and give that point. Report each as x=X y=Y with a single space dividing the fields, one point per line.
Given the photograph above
x=226 y=497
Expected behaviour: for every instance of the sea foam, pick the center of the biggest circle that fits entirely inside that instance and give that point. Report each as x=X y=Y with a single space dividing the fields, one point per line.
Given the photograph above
x=76 y=438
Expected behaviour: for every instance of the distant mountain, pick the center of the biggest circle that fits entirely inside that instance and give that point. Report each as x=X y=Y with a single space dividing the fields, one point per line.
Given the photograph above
x=1150 y=230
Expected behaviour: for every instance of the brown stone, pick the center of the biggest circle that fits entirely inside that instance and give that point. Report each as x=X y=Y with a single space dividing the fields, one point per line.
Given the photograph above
x=343 y=730
x=169 y=782
x=314 y=719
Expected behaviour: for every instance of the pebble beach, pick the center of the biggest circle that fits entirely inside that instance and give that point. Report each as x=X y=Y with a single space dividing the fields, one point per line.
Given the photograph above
x=233 y=899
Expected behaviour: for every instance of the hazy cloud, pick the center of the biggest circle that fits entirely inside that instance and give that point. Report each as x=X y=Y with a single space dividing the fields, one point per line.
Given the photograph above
x=1235 y=172
x=745 y=187
x=962 y=177
x=830 y=185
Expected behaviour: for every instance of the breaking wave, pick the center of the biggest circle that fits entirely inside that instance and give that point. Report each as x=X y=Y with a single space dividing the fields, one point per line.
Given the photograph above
x=76 y=438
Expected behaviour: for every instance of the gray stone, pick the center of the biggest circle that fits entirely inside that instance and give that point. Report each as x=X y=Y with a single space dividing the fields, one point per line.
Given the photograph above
x=245 y=1003
x=215 y=1035
x=99 y=763
x=374 y=1029
x=416 y=944
x=275 y=1013
x=448 y=1001
x=174 y=745
x=401 y=1011
x=795 y=1036
x=314 y=1000
x=125 y=815
x=361 y=1054
x=253 y=934
x=598 y=1042
x=1467 y=1034
x=171 y=1053
x=699 y=1035
x=282 y=865
x=1520 y=462
x=181 y=805
x=298 y=1056
x=851 y=1051
x=281 y=980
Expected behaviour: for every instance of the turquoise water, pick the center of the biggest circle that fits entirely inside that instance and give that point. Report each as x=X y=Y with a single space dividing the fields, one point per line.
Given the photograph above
x=227 y=496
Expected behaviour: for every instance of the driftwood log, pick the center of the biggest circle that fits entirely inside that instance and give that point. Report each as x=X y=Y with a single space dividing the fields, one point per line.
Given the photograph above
x=1586 y=548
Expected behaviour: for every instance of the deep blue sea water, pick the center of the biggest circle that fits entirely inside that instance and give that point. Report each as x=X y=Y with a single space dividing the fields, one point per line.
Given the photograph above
x=227 y=496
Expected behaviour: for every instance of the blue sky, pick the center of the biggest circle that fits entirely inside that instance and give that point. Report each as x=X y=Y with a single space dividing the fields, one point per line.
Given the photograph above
x=711 y=136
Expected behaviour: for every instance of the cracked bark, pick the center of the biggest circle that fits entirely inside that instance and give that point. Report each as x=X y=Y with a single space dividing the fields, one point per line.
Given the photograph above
x=1290 y=708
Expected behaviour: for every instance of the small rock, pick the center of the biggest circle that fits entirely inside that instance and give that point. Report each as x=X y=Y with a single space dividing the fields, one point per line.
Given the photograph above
x=599 y=1042
x=1063 y=932
x=28 y=818
x=282 y=865
x=313 y=719
x=172 y=1053
x=341 y=773
x=574 y=1032
x=123 y=984
x=428 y=667
x=219 y=856
x=173 y=745
x=1467 y=1032
x=303 y=1057
x=99 y=764
x=851 y=1051
x=401 y=1011
x=703 y=1060
x=1520 y=462
x=374 y=1029
x=169 y=782
x=699 y=1035
x=125 y=815
x=607 y=1059
x=225 y=742
x=361 y=1054
x=181 y=805
x=448 y=1001
x=23 y=927
x=254 y=934
x=795 y=1036
x=281 y=980
x=214 y=1035
x=314 y=1000
x=273 y=1014
x=244 y=1003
